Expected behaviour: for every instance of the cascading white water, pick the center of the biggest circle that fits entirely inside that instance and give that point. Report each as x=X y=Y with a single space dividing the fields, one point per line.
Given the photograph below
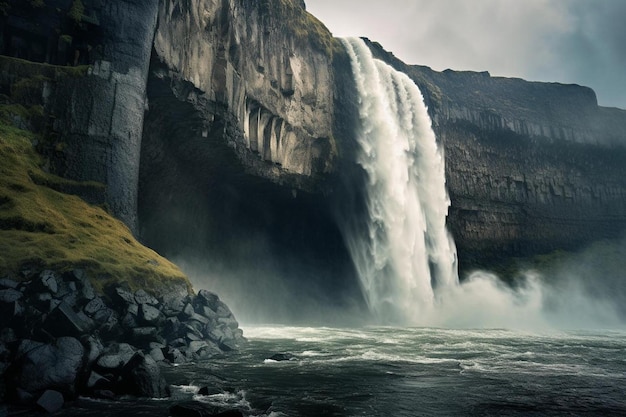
x=406 y=255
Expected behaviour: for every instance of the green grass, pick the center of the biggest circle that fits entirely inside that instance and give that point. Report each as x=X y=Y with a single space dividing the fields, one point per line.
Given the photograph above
x=48 y=229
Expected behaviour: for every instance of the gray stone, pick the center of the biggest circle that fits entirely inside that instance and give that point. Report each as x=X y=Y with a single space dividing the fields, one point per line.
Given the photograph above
x=63 y=321
x=141 y=376
x=175 y=356
x=10 y=295
x=51 y=366
x=229 y=321
x=115 y=357
x=150 y=315
x=7 y=335
x=199 y=318
x=157 y=354
x=93 y=306
x=8 y=283
x=93 y=347
x=97 y=381
x=123 y=297
x=129 y=321
x=144 y=335
x=207 y=298
x=142 y=297
x=48 y=279
x=50 y=401
x=188 y=310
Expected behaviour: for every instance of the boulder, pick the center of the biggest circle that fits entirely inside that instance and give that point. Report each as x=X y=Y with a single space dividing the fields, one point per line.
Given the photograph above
x=116 y=356
x=63 y=321
x=50 y=366
x=47 y=281
x=8 y=283
x=279 y=357
x=149 y=315
x=10 y=295
x=174 y=355
x=97 y=382
x=50 y=401
x=142 y=297
x=93 y=306
x=93 y=348
x=141 y=376
x=157 y=354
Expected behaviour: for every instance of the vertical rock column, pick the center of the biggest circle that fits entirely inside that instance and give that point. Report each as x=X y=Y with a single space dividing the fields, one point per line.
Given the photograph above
x=100 y=117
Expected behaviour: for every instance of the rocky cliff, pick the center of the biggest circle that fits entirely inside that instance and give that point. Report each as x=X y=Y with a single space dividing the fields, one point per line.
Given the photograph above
x=531 y=167
x=236 y=118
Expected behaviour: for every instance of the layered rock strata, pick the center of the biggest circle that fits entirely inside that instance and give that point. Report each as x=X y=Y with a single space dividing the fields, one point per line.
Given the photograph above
x=530 y=167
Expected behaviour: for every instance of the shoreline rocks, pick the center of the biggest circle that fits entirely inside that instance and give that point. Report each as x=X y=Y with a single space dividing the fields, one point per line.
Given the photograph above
x=60 y=339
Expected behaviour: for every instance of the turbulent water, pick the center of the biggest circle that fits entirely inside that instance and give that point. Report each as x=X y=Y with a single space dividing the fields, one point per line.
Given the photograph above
x=383 y=371
x=405 y=254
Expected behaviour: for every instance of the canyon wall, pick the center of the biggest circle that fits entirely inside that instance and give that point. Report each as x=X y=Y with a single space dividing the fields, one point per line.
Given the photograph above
x=531 y=167
x=189 y=105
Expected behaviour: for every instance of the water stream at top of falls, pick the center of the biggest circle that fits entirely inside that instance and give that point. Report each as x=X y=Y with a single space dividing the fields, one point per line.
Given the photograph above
x=406 y=255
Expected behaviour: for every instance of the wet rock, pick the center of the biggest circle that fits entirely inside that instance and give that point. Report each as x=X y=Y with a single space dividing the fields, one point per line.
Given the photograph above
x=63 y=321
x=209 y=391
x=157 y=354
x=8 y=283
x=188 y=311
x=104 y=394
x=129 y=321
x=175 y=355
x=173 y=304
x=142 y=297
x=7 y=335
x=93 y=348
x=47 y=281
x=93 y=306
x=97 y=382
x=50 y=401
x=229 y=321
x=50 y=366
x=149 y=315
x=9 y=312
x=115 y=358
x=10 y=295
x=206 y=297
x=279 y=357
x=141 y=376
x=142 y=336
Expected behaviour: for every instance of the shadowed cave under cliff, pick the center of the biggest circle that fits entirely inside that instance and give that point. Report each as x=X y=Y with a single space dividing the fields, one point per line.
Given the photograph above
x=273 y=253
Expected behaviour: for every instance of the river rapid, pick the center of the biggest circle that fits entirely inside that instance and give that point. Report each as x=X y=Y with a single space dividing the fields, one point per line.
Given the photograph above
x=387 y=371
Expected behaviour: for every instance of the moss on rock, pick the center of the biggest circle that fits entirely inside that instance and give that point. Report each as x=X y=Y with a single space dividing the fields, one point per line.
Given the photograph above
x=44 y=228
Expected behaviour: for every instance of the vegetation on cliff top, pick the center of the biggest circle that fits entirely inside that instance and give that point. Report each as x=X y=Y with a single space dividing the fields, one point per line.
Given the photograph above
x=44 y=228
x=304 y=26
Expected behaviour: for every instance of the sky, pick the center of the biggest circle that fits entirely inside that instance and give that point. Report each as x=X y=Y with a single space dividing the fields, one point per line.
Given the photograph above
x=567 y=41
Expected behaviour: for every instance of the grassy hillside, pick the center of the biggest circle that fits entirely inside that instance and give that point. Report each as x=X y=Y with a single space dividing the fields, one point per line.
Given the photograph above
x=41 y=227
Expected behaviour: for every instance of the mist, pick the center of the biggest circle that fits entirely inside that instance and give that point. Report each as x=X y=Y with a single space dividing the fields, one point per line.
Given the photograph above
x=581 y=290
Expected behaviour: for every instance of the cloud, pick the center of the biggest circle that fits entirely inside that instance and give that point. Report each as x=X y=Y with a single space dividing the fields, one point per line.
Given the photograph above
x=569 y=41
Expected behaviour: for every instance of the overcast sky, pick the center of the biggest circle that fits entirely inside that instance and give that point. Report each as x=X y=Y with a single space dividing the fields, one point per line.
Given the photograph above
x=569 y=41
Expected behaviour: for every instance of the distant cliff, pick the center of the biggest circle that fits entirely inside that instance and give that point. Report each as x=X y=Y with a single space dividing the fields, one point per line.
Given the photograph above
x=531 y=167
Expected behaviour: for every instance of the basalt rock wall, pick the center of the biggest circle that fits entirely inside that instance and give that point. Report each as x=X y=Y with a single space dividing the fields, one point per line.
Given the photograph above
x=530 y=167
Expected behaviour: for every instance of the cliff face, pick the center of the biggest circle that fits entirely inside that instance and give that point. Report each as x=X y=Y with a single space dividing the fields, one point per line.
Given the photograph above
x=204 y=108
x=265 y=69
x=99 y=118
x=530 y=167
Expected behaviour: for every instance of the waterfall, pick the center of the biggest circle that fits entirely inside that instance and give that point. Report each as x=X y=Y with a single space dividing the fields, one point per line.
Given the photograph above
x=405 y=255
